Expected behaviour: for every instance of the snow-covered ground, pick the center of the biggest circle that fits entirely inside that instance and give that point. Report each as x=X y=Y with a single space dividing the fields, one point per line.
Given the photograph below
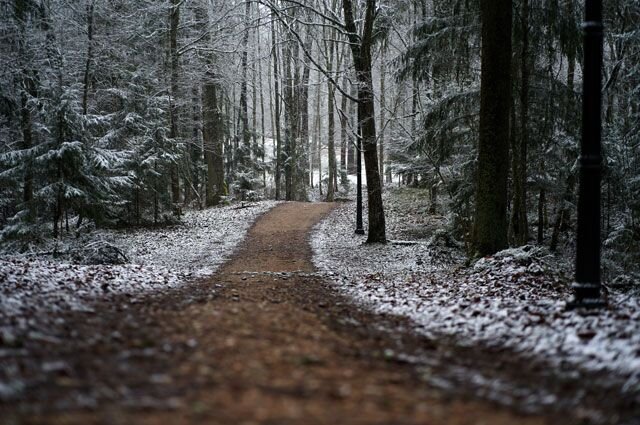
x=203 y=241
x=160 y=260
x=515 y=299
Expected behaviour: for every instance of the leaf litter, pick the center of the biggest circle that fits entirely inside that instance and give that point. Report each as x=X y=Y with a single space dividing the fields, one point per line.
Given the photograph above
x=36 y=292
x=514 y=301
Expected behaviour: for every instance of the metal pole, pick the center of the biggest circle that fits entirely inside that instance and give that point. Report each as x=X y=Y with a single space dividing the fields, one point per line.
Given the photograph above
x=587 y=287
x=359 y=229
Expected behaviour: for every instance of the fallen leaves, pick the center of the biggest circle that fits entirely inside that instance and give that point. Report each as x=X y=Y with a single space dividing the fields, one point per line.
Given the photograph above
x=513 y=300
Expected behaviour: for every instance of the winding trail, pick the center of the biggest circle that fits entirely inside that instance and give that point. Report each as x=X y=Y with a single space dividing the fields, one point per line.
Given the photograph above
x=264 y=341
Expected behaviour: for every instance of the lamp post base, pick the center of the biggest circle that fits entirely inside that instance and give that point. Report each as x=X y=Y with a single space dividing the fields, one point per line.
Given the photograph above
x=587 y=296
x=359 y=231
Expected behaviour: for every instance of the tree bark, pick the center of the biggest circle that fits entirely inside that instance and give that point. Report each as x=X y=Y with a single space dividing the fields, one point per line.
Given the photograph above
x=302 y=180
x=174 y=19
x=383 y=76
x=212 y=136
x=351 y=142
x=490 y=226
x=87 y=67
x=213 y=132
x=27 y=89
x=290 y=119
x=276 y=80
x=331 y=120
x=262 y=121
x=541 y=221
x=344 y=130
x=245 y=149
x=519 y=222
x=317 y=148
x=361 y=52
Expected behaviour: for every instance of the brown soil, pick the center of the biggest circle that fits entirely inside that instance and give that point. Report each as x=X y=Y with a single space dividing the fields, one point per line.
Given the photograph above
x=251 y=345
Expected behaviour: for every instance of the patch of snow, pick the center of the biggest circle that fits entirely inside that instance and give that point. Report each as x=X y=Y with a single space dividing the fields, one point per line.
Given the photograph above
x=35 y=291
x=62 y=287
x=199 y=245
x=514 y=300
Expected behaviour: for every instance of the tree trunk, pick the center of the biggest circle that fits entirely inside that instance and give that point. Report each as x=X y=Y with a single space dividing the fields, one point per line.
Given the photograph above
x=519 y=222
x=174 y=19
x=276 y=80
x=361 y=51
x=490 y=226
x=344 y=130
x=541 y=205
x=383 y=76
x=212 y=136
x=351 y=143
x=290 y=119
x=331 y=120
x=563 y=213
x=156 y=201
x=87 y=67
x=317 y=149
x=262 y=121
x=254 y=118
x=245 y=149
x=302 y=180
x=27 y=89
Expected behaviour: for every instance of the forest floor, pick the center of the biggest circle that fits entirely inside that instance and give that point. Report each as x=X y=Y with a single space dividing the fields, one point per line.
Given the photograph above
x=265 y=340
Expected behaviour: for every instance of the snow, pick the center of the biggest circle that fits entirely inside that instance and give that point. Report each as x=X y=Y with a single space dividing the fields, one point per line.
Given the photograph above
x=198 y=246
x=514 y=300
x=34 y=290
x=161 y=259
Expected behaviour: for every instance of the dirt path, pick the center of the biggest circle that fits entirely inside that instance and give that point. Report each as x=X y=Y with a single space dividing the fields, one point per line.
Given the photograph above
x=264 y=341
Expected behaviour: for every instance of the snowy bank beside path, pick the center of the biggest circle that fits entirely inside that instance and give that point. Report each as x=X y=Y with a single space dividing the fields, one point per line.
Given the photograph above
x=514 y=300
x=161 y=259
x=198 y=246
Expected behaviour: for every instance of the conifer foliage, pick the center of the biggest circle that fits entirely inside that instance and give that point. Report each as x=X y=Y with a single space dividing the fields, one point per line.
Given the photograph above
x=127 y=112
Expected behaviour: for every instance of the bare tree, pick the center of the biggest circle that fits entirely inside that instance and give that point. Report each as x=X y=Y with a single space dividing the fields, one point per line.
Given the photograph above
x=361 y=44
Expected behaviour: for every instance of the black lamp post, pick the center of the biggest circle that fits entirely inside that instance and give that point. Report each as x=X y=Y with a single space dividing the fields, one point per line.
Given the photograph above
x=359 y=229
x=587 y=287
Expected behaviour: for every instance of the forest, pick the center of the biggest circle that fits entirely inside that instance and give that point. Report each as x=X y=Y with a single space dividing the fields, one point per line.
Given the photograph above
x=319 y=211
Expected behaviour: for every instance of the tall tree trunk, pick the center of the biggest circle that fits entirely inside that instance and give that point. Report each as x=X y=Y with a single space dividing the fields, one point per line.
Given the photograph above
x=212 y=136
x=383 y=89
x=174 y=19
x=231 y=142
x=213 y=128
x=303 y=127
x=490 y=226
x=563 y=213
x=156 y=191
x=317 y=146
x=254 y=117
x=519 y=222
x=289 y=120
x=27 y=90
x=262 y=120
x=361 y=51
x=87 y=66
x=344 y=130
x=541 y=221
x=276 y=80
x=192 y=185
x=331 y=120
x=245 y=149
x=351 y=143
